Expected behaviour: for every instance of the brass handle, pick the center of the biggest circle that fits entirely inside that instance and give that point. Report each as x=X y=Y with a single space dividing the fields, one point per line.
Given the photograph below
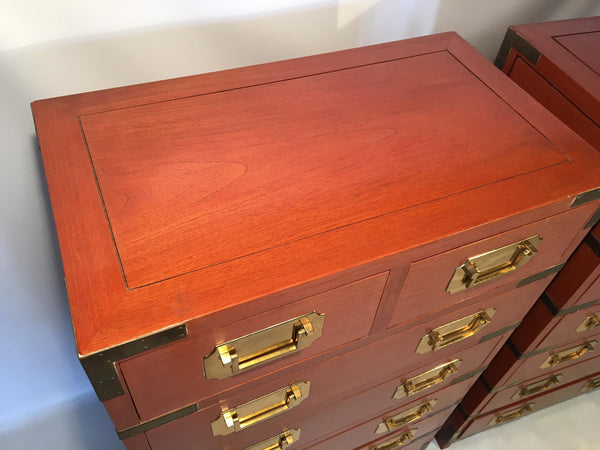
x=280 y=442
x=405 y=417
x=592 y=384
x=263 y=346
x=398 y=442
x=512 y=414
x=259 y=410
x=456 y=331
x=568 y=355
x=488 y=266
x=537 y=387
x=427 y=379
x=590 y=322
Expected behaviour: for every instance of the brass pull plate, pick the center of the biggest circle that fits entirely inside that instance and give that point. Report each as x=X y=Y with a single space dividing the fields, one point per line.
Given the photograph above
x=427 y=379
x=568 y=355
x=397 y=442
x=280 y=442
x=537 y=387
x=263 y=346
x=259 y=410
x=405 y=417
x=488 y=266
x=591 y=321
x=592 y=384
x=512 y=414
x=456 y=331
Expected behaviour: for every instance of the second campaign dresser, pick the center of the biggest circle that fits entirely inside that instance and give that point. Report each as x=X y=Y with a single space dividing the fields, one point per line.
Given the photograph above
x=323 y=252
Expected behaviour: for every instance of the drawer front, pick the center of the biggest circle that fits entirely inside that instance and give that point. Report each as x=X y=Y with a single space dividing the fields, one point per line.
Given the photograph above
x=362 y=435
x=582 y=324
x=520 y=409
x=170 y=377
x=401 y=440
x=467 y=273
x=314 y=422
x=341 y=377
x=535 y=386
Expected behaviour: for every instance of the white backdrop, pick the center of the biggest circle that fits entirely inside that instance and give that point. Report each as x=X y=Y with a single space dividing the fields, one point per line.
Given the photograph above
x=51 y=48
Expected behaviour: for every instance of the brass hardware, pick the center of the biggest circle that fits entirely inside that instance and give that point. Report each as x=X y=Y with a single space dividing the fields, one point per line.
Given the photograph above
x=263 y=346
x=568 y=355
x=591 y=385
x=159 y=421
x=280 y=442
x=586 y=197
x=537 y=387
x=101 y=367
x=456 y=331
x=260 y=409
x=592 y=321
x=512 y=414
x=427 y=379
x=397 y=442
x=405 y=417
x=488 y=266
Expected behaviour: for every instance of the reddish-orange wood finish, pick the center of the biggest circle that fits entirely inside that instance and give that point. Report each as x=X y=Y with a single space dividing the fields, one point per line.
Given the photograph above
x=541 y=329
x=162 y=223
x=418 y=443
x=369 y=364
x=138 y=442
x=480 y=400
x=316 y=420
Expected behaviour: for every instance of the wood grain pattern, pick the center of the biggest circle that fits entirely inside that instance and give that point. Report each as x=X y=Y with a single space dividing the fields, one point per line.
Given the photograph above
x=386 y=221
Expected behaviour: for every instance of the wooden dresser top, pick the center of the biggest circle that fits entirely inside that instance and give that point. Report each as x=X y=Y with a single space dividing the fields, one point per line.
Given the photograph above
x=178 y=199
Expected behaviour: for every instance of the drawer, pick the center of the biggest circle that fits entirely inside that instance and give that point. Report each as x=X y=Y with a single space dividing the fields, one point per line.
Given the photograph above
x=517 y=410
x=541 y=329
x=172 y=376
x=362 y=435
x=315 y=422
x=402 y=440
x=482 y=266
x=508 y=368
x=347 y=374
x=579 y=281
x=480 y=400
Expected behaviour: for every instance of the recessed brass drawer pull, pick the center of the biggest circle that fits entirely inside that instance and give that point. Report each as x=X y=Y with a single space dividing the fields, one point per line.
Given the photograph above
x=592 y=321
x=537 y=387
x=396 y=443
x=405 y=417
x=592 y=384
x=456 y=331
x=568 y=355
x=280 y=442
x=260 y=409
x=488 y=266
x=427 y=379
x=512 y=414
x=263 y=346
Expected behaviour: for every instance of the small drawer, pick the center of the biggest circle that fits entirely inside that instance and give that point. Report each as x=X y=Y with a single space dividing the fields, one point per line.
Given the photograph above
x=517 y=410
x=313 y=422
x=339 y=378
x=475 y=269
x=541 y=329
x=169 y=377
x=401 y=440
x=507 y=368
x=578 y=283
x=480 y=401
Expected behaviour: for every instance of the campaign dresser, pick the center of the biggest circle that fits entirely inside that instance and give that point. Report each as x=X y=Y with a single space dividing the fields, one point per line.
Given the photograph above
x=553 y=355
x=316 y=253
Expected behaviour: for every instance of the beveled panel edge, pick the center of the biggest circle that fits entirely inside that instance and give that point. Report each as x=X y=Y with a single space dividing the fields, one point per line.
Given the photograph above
x=586 y=197
x=556 y=312
x=593 y=220
x=162 y=420
x=513 y=40
x=499 y=332
x=538 y=276
x=468 y=375
x=101 y=367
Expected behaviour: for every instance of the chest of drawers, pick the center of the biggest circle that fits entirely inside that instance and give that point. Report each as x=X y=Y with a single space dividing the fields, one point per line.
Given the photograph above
x=325 y=248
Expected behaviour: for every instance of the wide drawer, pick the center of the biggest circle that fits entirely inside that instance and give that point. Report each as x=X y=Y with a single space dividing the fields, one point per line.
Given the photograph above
x=315 y=420
x=172 y=376
x=517 y=410
x=480 y=400
x=474 y=269
x=541 y=329
x=403 y=440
